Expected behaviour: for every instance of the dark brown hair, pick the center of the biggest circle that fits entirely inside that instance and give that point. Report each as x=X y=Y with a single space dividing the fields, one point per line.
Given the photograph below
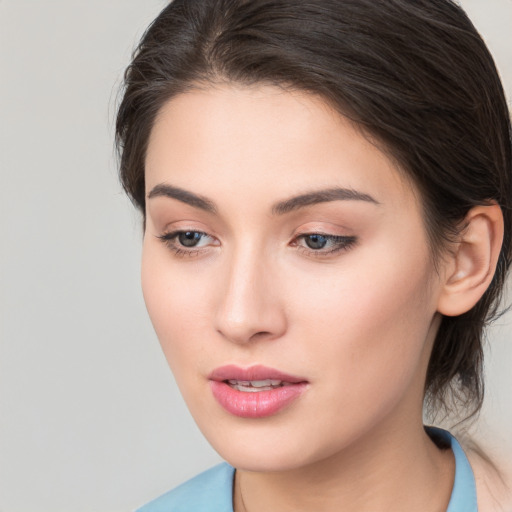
x=413 y=74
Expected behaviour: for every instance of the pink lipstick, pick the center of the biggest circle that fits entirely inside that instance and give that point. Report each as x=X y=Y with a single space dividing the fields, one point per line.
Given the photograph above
x=254 y=392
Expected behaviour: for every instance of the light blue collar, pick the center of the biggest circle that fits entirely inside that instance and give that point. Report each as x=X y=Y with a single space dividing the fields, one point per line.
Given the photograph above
x=463 y=497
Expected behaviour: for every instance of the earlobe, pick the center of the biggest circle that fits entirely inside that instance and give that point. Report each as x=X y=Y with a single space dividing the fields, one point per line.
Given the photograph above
x=471 y=265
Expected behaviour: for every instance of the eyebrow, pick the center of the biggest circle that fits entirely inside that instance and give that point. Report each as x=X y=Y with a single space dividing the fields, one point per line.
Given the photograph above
x=321 y=196
x=197 y=201
x=280 y=208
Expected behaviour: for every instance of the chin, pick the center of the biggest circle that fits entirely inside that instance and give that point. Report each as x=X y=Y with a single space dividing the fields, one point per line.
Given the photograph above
x=260 y=460
x=266 y=446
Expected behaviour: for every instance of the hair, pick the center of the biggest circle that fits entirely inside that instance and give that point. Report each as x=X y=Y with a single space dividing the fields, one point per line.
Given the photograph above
x=413 y=75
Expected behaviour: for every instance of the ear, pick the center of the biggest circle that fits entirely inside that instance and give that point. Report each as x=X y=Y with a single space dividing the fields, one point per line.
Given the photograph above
x=470 y=267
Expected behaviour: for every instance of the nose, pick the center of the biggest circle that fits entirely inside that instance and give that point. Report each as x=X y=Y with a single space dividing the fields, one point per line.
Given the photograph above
x=249 y=305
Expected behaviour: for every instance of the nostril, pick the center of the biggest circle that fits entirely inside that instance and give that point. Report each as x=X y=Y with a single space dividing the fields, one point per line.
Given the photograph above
x=261 y=334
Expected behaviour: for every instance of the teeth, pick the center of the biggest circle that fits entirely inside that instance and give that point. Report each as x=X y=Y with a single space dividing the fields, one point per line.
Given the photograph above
x=249 y=389
x=264 y=383
x=252 y=386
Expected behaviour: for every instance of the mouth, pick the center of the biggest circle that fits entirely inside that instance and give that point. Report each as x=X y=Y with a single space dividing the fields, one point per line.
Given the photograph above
x=255 y=392
x=256 y=375
x=256 y=386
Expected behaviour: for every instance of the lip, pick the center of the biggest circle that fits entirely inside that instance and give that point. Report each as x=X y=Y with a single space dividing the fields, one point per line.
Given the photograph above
x=258 y=404
x=256 y=372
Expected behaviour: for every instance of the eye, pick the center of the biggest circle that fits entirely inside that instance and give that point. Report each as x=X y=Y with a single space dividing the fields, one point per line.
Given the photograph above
x=324 y=244
x=315 y=241
x=190 y=238
x=187 y=242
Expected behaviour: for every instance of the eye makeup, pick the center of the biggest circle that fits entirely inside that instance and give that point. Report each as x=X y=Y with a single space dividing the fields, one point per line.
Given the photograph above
x=322 y=244
x=193 y=242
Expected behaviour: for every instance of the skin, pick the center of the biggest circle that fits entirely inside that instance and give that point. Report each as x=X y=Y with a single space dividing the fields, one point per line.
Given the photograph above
x=493 y=482
x=358 y=323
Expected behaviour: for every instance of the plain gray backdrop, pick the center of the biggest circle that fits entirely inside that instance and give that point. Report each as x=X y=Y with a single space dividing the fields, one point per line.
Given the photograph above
x=90 y=418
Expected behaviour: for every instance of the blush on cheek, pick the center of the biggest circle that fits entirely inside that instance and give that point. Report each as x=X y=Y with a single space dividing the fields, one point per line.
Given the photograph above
x=175 y=303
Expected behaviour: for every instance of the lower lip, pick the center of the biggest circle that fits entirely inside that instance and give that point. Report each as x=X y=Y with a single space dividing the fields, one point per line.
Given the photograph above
x=259 y=404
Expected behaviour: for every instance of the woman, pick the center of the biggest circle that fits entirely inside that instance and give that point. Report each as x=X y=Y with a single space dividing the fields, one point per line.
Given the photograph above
x=326 y=191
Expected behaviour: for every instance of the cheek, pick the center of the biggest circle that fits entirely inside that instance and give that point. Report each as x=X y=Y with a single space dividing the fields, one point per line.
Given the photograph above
x=366 y=357
x=172 y=301
x=367 y=327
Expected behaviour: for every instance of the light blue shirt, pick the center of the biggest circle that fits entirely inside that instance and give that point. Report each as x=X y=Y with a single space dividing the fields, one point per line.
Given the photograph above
x=212 y=491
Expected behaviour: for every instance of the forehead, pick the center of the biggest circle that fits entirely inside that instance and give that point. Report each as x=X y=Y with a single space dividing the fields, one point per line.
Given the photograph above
x=266 y=140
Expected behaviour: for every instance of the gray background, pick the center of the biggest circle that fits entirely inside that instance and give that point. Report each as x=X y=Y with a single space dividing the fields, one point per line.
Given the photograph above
x=90 y=419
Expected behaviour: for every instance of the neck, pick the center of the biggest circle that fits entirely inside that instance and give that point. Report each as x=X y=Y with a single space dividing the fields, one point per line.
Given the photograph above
x=389 y=470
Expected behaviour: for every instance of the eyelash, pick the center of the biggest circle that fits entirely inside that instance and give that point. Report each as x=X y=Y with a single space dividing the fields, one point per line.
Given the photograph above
x=339 y=243
x=169 y=239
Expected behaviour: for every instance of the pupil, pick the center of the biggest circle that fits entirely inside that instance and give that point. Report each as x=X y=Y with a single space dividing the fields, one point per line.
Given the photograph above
x=189 y=238
x=316 y=241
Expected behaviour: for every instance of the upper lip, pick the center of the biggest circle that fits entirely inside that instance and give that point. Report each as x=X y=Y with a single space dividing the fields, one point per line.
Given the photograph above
x=256 y=372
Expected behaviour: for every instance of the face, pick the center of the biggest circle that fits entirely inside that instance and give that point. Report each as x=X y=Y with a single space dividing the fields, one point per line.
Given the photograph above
x=287 y=274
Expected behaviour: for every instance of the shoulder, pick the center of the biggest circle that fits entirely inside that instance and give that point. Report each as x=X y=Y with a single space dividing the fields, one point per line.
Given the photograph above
x=492 y=469
x=211 y=490
x=493 y=482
